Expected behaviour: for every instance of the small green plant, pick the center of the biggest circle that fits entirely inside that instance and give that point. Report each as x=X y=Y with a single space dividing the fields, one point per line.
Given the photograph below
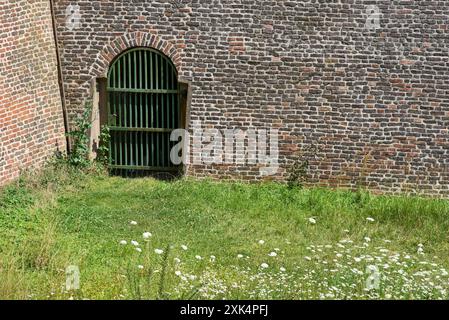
x=79 y=155
x=162 y=280
x=103 y=146
x=298 y=172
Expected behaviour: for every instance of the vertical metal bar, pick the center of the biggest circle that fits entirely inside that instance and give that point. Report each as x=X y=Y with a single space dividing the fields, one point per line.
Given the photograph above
x=172 y=123
x=141 y=125
x=125 y=107
x=145 y=69
x=151 y=71
x=156 y=116
x=129 y=71
x=131 y=149
x=120 y=106
x=108 y=112
x=178 y=102
x=163 y=125
x=151 y=96
x=139 y=68
x=147 y=114
x=153 y=124
x=146 y=106
x=136 y=111
x=157 y=71
x=130 y=108
x=172 y=107
x=162 y=110
x=147 y=147
x=135 y=69
x=119 y=66
x=147 y=110
x=125 y=94
x=125 y=133
x=115 y=146
x=164 y=117
x=120 y=136
x=153 y=149
x=141 y=95
x=157 y=126
x=134 y=146
x=130 y=136
x=163 y=67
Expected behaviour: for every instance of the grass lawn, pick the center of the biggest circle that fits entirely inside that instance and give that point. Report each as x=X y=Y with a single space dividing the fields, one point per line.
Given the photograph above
x=213 y=240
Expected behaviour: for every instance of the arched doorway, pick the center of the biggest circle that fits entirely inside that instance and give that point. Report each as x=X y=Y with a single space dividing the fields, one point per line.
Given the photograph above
x=143 y=109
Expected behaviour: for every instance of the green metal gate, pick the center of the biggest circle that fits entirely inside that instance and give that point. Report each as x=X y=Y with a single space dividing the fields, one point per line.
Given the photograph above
x=143 y=110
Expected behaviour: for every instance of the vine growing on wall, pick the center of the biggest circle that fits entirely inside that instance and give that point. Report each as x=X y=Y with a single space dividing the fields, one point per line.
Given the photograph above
x=103 y=146
x=79 y=155
x=298 y=173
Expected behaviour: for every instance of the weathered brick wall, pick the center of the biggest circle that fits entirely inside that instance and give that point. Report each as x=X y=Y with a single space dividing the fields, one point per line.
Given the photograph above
x=374 y=102
x=31 y=121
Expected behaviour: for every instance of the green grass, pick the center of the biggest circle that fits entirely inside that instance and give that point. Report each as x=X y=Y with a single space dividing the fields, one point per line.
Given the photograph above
x=64 y=218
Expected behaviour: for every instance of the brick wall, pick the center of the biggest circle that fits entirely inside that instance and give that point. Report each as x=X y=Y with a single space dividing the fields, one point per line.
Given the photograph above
x=373 y=101
x=31 y=121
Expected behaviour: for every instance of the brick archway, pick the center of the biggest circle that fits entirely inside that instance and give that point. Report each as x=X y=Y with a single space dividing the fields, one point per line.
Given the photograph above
x=128 y=41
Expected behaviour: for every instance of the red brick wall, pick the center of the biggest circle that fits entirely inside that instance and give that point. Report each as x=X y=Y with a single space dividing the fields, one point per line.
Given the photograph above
x=374 y=101
x=31 y=121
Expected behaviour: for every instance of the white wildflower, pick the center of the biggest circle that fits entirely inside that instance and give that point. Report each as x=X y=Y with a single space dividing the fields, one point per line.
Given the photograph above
x=178 y=273
x=240 y=256
x=147 y=235
x=159 y=251
x=123 y=242
x=133 y=223
x=134 y=243
x=140 y=266
x=273 y=254
x=261 y=242
x=370 y=219
x=138 y=250
x=312 y=220
x=264 y=266
x=198 y=257
x=184 y=247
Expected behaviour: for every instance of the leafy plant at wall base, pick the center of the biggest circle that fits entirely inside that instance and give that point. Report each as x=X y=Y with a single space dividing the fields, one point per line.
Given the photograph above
x=299 y=171
x=79 y=155
x=103 y=147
